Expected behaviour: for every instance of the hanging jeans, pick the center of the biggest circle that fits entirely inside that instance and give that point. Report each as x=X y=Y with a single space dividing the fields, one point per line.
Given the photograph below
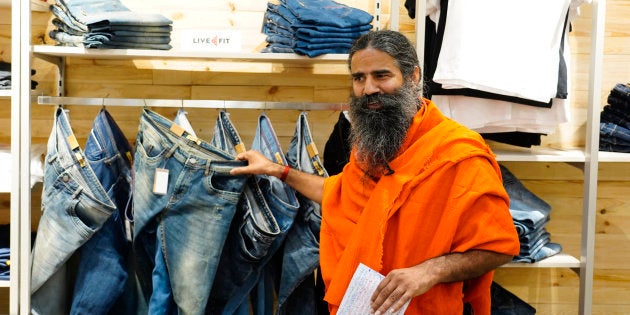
x=103 y=262
x=74 y=206
x=300 y=256
x=284 y=205
x=252 y=231
x=184 y=201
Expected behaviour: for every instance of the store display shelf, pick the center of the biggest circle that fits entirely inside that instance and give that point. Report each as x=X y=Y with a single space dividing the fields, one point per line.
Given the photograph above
x=539 y=155
x=560 y=260
x=4 y=283
x=5 y=94
x=80 y=52
x=614 y=157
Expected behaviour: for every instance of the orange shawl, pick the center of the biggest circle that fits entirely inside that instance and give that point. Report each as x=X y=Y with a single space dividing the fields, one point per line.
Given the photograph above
x=445 y=196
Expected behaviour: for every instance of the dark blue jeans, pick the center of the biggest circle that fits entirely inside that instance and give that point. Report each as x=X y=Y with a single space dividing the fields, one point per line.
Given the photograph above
x=621 y=90
x=252 y=231
x=615 y=131
x=327 y=13
x=283 y=204
x=103 y=263
x=300 y=256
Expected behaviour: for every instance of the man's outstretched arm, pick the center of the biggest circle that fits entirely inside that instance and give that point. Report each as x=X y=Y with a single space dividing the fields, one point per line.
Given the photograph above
x=309 y=185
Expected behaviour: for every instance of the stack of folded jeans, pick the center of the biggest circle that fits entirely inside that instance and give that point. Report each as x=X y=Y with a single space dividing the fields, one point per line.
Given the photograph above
x=5 y=76
x=108 y=24
x=313 y=27
x=614 y=127
x=530 y=215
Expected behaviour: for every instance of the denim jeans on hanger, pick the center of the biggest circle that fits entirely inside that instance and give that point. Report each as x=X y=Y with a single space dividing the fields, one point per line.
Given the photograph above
x=300 y=255
x=283 y=203
x=327 y=13
x=104 y=257
x=187 y=216
x=252 y=231
x=74 y=206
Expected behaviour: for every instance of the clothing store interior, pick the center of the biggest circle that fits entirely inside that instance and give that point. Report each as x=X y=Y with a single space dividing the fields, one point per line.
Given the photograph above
x=121 y=121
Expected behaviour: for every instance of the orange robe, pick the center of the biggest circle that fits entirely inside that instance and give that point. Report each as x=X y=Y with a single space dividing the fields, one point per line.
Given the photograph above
x=445 y=196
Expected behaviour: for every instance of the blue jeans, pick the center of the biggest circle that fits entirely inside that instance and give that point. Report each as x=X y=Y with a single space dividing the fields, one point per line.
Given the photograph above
x=277 y=48
x=300 y=256
x=283 y=204
x=108 y=12
x=613 y=115
x=621 y=90
x=525 y=206
x=252 y=231
x=103 y=257
x=327 y=13
x=5 y=255
x=188 y=221
x=615 y=131
x=545 y=251
x=74 y=206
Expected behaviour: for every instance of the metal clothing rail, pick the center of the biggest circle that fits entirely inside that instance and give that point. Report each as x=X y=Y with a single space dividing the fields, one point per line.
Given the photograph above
x=95 y=101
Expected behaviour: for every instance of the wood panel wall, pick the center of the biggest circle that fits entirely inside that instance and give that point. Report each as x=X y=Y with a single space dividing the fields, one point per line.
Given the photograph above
x=551 y=291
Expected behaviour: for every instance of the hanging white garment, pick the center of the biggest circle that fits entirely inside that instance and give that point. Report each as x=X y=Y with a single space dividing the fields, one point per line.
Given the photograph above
x=506 y=47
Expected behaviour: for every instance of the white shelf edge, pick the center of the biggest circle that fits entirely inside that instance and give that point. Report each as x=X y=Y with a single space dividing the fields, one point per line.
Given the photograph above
x=560 y=260
x=604 y=156
x=4 y=283
x=539 y=155
x=83 y=53
x=5 y=93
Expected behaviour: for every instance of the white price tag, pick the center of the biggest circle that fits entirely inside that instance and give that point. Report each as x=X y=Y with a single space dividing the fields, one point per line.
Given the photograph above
x=160 y=181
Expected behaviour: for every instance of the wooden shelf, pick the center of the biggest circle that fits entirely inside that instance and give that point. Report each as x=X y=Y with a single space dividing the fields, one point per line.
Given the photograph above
x=560 y=260
x=83 y=53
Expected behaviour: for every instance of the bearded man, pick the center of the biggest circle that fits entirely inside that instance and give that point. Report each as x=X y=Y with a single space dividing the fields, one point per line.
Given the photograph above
x=421 y=199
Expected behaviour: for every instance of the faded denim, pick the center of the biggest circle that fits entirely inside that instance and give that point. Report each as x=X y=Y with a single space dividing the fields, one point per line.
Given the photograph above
x=75 y=206
x=189 y=223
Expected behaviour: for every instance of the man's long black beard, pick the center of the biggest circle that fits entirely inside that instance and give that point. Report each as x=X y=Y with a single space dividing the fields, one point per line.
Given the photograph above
x=378 y=134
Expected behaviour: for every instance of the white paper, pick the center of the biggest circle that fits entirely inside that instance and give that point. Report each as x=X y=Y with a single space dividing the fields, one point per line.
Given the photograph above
x=359 y=292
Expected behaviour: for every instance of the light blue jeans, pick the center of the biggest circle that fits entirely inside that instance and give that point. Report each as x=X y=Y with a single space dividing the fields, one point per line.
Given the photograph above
x=75 y=206
x=189 y=223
